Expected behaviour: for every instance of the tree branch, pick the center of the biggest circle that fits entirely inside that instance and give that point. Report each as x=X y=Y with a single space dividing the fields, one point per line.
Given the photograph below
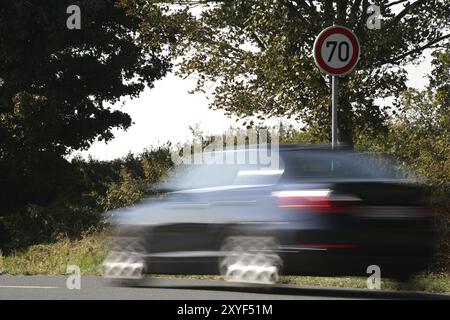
x=311 y=9
x=416 y=50
x=404 y=12
x=329 y=12
x=258 y=40
x=354 y=11
x=395 y=3
x=301 y=3
x=342 y=11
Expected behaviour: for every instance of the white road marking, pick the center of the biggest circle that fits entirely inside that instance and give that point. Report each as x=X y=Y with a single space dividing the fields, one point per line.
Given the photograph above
x=27 y=287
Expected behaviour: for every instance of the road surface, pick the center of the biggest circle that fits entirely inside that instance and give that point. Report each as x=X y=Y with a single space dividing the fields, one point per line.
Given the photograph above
x=54 y=287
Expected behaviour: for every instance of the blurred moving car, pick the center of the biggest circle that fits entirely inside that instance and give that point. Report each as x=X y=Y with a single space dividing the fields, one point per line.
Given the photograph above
x=320 y=212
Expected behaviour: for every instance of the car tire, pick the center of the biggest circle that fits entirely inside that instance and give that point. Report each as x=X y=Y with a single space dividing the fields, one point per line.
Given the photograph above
x=250 y=259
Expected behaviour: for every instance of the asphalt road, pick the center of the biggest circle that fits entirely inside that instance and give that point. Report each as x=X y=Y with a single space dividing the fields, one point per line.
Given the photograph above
x=54 y=287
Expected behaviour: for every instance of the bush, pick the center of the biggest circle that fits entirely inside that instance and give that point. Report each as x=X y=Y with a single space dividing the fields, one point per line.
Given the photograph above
x=86 y=190
x=42 y=224
x=420 y=136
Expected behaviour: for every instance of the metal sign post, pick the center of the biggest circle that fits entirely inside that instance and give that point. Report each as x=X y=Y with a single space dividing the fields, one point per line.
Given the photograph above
x=334 y=108
x=336 y=52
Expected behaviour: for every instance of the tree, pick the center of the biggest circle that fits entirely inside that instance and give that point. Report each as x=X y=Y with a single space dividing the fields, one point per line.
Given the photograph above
x=420 y=135
x=420 y=132
x=257 y=55
x=55 y=84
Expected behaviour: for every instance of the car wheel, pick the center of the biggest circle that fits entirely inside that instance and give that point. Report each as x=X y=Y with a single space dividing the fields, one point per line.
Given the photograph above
x=124 y=262
x=250 y=259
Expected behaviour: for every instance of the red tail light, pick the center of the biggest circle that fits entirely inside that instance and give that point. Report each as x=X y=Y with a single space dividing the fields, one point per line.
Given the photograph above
x=320 y=201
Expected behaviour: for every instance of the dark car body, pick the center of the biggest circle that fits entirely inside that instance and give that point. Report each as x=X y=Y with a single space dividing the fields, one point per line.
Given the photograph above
x=329 y=212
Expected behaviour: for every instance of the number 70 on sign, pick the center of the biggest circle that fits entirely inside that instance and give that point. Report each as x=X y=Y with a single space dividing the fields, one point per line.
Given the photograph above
x=336 y=50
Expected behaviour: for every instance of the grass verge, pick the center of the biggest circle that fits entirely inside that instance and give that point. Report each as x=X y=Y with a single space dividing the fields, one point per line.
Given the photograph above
x=53 y=259
x=89 y=252
x=426 y=283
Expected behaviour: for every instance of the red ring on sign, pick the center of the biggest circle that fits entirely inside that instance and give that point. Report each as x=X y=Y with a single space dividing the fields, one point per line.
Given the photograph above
x=318 y=47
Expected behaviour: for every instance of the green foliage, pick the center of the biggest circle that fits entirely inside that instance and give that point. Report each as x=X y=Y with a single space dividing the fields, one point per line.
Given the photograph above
x=39 y=224
x=124 y=193
x=291 y=135
x=55 y=81
x=256 y=54
x=56 y=87
x=95 y=187
x=137 y=176
x=420 y=135
x=88 y=253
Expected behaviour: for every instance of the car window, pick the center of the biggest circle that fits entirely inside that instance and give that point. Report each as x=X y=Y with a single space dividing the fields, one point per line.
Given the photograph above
x=195 y=176
x=339 y=165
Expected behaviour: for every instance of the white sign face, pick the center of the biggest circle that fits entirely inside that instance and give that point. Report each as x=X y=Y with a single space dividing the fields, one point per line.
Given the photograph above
x=336 y=50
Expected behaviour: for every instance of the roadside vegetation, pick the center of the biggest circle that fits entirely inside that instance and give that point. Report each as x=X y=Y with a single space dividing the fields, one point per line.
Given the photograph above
x=89 y=252
x=70 y=229
x=54 y=100
x=53 y=259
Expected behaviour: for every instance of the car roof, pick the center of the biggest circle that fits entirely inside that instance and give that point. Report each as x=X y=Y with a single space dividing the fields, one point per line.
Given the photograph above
x=284 y=147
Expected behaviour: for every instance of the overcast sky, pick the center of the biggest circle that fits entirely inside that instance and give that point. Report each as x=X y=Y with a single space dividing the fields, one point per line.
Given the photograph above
x=165 y=113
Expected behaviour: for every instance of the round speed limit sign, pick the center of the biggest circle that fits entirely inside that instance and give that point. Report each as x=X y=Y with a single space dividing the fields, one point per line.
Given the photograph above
x=336 y=50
